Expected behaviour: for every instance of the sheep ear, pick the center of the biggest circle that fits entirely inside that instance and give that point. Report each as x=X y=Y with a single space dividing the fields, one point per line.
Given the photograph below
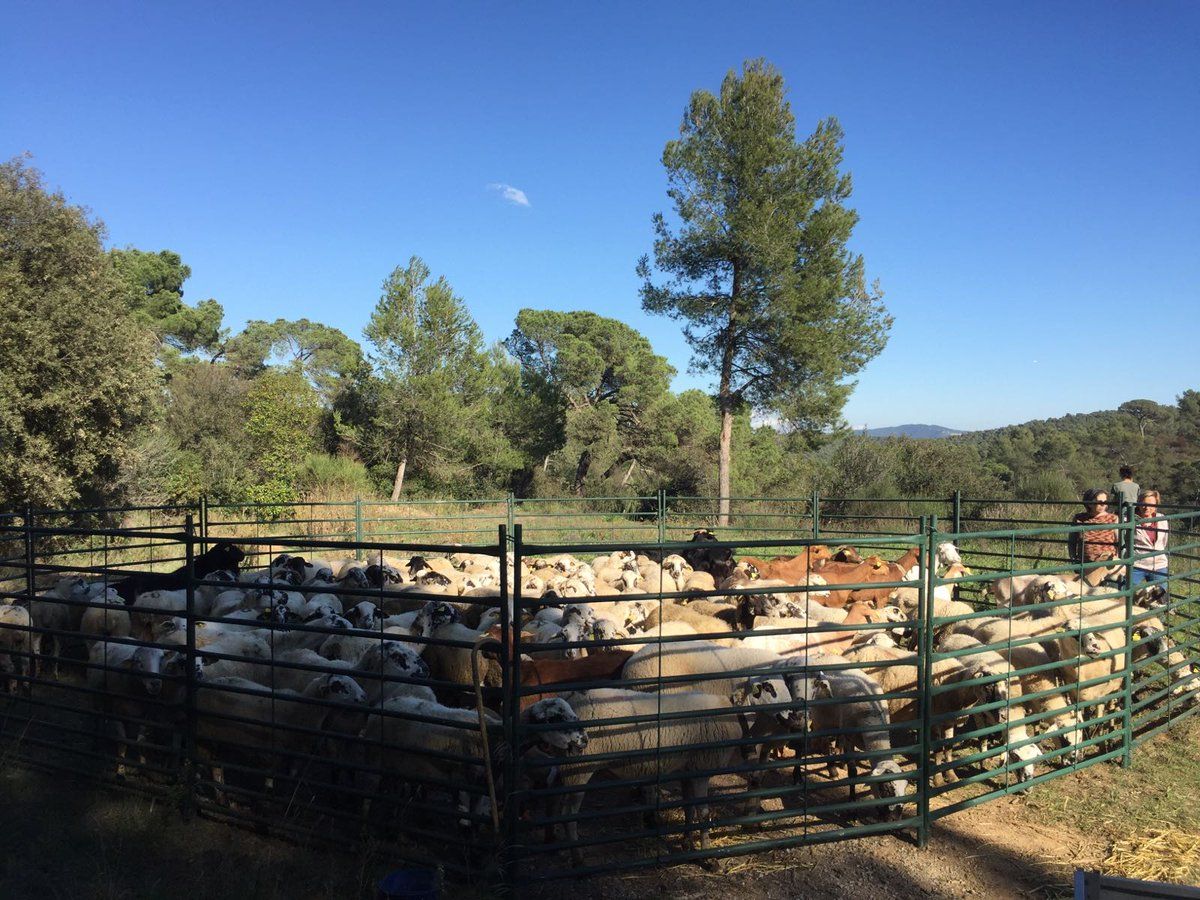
x=756 y=691
x=822 y=687
x=770 y=688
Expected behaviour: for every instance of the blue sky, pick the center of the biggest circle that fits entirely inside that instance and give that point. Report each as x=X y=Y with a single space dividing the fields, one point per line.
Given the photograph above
x=1027 y=174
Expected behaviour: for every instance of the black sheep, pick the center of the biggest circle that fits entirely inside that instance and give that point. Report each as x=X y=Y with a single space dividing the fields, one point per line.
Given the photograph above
x=222 y=556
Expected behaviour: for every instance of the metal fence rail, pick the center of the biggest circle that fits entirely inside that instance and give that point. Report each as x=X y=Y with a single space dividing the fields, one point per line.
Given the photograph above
x=732 y=719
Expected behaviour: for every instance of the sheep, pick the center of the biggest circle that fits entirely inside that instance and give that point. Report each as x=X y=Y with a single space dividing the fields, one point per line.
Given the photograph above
x=398 y=740
x=221 y=556
x=788 y=604
x=1041 y=690
x=17 y=660
x=153 y=606
x=56 y=613
x=900 y=675
x=100 y=622
x=253 y=721
x=775 y=634
x=1019 y=590
x=130 y=689
x=313 y=634
x=717 y=609
x=625 y=613
x=678 y=569
x=439 y=620
x=704 y=625
x=382 y=664
x=322 y=604
x=666 y=629
x=847 y=709
x=1004 y=686
x=687 y=748
x=694 y=666
x=256 y=666
x=572 y=631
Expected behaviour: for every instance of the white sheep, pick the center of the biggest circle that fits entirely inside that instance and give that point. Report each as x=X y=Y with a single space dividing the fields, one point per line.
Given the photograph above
x=398 y=740
x=259 y=723
x=16 y=648
x=694 y=666
x=699 y=738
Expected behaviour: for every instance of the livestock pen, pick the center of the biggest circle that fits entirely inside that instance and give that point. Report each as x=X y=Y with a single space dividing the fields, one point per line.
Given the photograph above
x=410 y=695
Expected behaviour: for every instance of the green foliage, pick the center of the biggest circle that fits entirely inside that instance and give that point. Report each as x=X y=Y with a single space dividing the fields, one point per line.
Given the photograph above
x=205 y=421
x=154 y=292
x=325 y=356
x=281 y=414
x=599 y=383
x=437 y=391
x=326 y=476
x=773 y=303
x=77 y=379
x=861 y=466
x=1059 y=458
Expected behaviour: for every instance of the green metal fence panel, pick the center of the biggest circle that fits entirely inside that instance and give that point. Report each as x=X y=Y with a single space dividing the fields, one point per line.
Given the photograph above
x=958 y=732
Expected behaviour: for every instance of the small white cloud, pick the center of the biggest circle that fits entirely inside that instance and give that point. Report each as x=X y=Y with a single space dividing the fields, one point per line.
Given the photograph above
x=513 y=195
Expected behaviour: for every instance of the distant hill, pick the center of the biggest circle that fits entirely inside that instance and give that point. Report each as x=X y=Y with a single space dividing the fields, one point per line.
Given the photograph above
x=913 y=431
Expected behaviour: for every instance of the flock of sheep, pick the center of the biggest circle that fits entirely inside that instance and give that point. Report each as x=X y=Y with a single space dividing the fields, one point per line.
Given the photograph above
x=765 y=678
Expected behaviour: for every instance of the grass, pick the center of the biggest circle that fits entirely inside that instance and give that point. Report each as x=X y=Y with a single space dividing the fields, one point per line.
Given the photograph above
x=1164 y=779
x=1139 y=810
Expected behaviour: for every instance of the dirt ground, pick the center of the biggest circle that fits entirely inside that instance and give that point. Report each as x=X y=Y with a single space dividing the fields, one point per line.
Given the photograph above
x=73 y=838
x=77 y=840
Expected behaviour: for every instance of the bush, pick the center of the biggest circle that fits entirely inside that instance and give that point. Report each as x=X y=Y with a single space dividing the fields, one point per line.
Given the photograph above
x=328 y=477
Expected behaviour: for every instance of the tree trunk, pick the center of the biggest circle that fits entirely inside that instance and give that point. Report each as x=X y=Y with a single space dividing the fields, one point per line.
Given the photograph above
x=628 y=472
x=726 y=400
x=724 y=460
x=398 y=485
x=581 y=470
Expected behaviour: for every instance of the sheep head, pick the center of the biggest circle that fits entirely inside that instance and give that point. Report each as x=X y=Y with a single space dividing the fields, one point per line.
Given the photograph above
x=568 y=739
x=380 y=575
x=146 y=666
x=947 y=554
x=341 y=688
x=582 y=612
x=1021 y=759
x=893 y=787
x=355 y=577
x=1051 y=589
x=434 y=615
x=1151 y=596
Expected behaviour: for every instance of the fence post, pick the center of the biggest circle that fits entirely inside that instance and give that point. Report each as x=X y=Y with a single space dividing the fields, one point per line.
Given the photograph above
x=511 y=660
x=187 y=764
x=662 y=516
x=30 y=579
x=358 y=527
x=203 y=510
x=925 y=679
x=510 y=511
x=815 y=507
x=1127 y=541
x=957 y=512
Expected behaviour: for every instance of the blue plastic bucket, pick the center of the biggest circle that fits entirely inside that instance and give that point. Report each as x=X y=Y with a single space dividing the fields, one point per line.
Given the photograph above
x=409 y=884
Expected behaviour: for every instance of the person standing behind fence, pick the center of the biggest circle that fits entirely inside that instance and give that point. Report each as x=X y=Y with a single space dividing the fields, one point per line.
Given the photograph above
x=1150 y=537
x=1125 y=490
x=1098 y=545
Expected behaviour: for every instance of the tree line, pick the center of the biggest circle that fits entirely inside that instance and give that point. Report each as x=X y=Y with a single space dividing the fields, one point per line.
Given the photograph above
x=114 y=387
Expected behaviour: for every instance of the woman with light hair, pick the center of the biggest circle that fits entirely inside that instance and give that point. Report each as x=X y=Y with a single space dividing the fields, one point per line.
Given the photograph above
x=1149 y=537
